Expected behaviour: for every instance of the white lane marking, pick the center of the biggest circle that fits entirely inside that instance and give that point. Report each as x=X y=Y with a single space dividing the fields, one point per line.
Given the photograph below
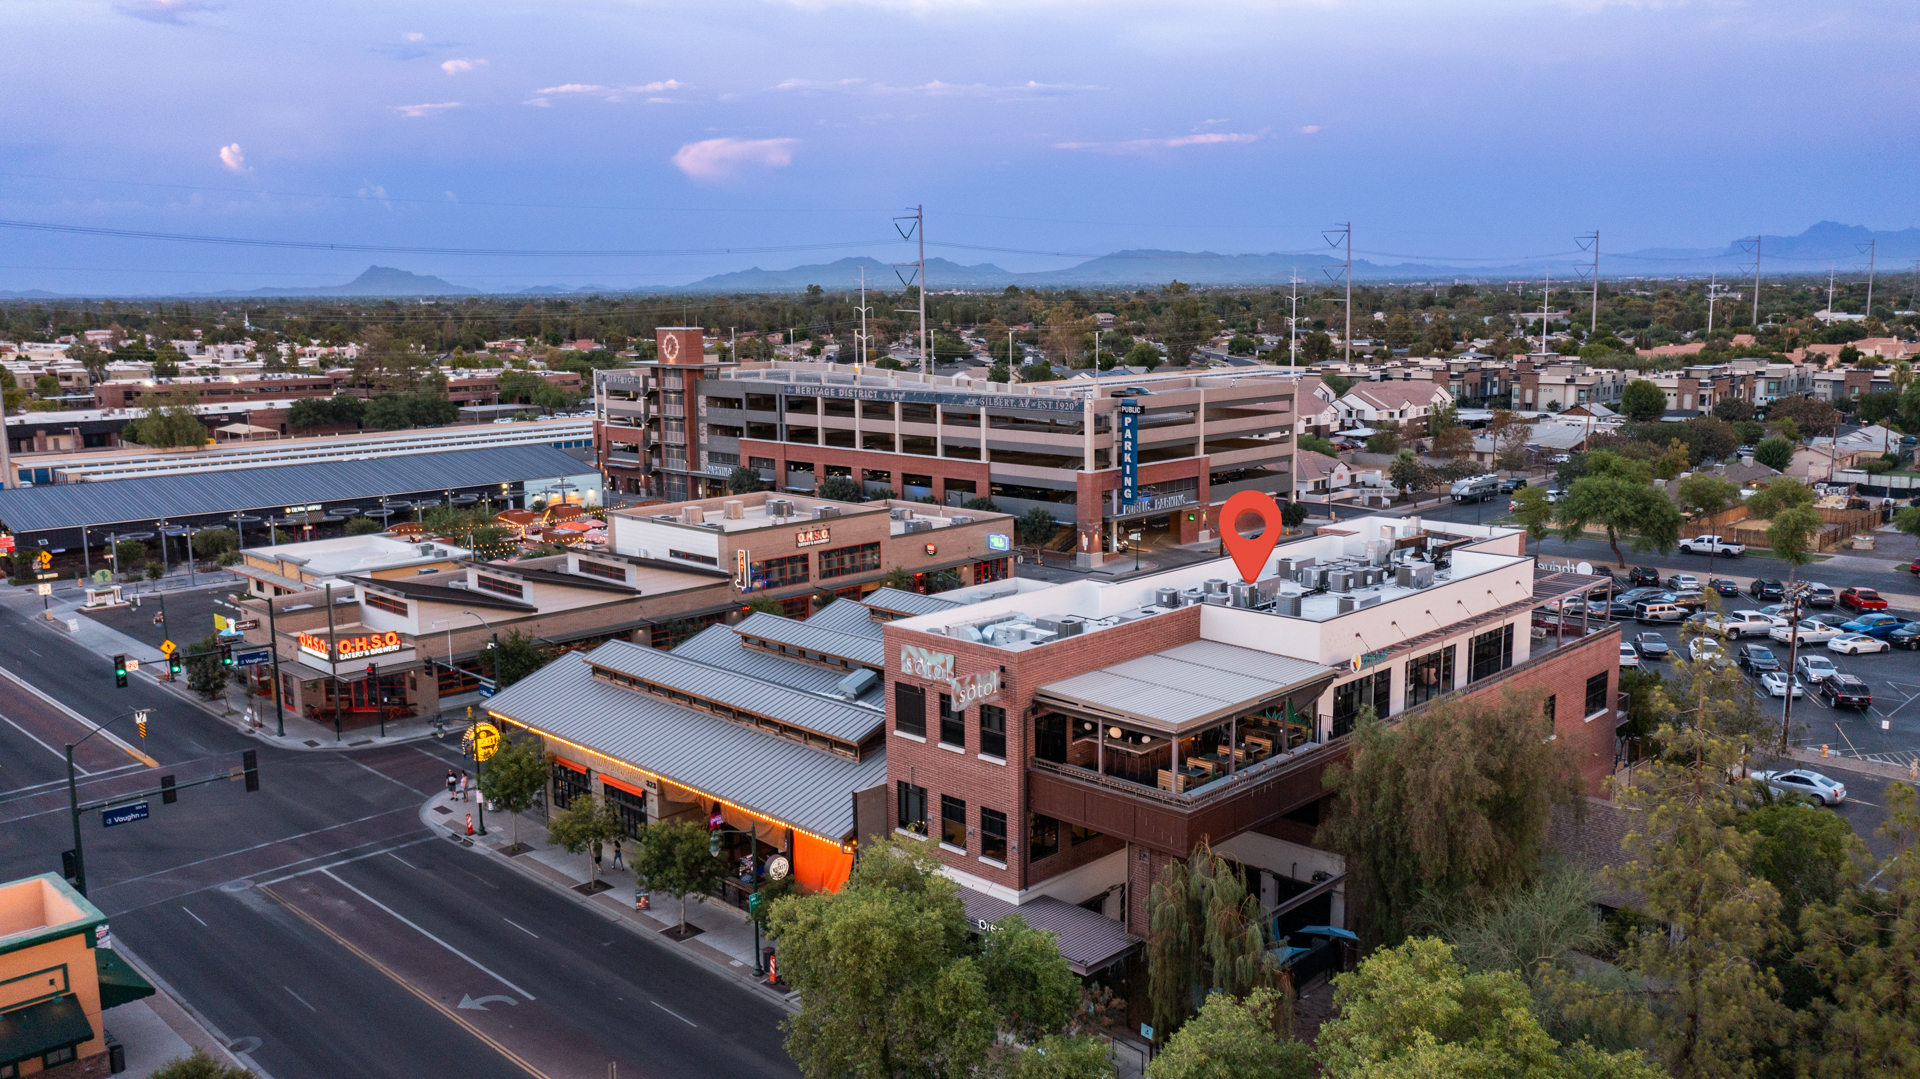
x=197 y=918
x=675 y=1014
x=343 y=861
x=257 y=846
x=410 y=790
x=401 y=860
x=42 y=745
x=78 y=718
x=301 y=999
x=416 y=928
x=521 y=928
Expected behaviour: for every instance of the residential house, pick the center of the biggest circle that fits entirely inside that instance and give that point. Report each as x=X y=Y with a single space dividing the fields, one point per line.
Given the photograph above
x=1406 y=403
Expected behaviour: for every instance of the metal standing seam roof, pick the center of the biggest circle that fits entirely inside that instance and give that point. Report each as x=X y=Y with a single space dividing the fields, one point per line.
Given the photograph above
x=110 y=502
x=720 y=646
x=784 y=780
x=846 y=616
x=1182 y=686
x=438 y=593
x=824 y=715
x=788 y=631
x=1088 y=940
x=906 y=604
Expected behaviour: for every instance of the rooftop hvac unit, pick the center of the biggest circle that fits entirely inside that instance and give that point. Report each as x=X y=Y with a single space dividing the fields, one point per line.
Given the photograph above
x=1268 y=587
x=665 y=517
x=821 y=513
x=960 y=519
x=1287 y=567
x=918 y=524
x=1242 y=594
x=858 y=682
x=1218 y=599
x=1072 y=626
x=1287 y=603
x=899 y=513
x=693 y=515
x=1339 y=580
x=1349 y=604
x=735 y=509
x=779 y=507
x=1191 y=596
x=1166 y=597
x=1217 y=585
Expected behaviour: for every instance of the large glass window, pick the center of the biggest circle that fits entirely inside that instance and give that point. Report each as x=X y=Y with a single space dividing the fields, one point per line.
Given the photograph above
x=568 y=784
x=953 y=724
x=993 y=835
x=1043 y=836
x=909 y=709
x=911 y=807
x=1050 y=737
x=953 y=822
x=993 y=731
x=1429 y=676
x=1597 y=693
x=841 y=561
x=631 y=807
x=1368 y=691
x=1490 y=653
x=780 y=572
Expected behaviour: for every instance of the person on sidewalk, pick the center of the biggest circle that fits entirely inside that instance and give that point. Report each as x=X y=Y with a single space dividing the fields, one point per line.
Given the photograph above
x=617 y=862
x=596 y=860
x=453 y=781
x=463 y=786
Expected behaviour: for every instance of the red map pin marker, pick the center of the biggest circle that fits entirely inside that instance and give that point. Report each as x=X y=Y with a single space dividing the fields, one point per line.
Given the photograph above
x=1250 y=555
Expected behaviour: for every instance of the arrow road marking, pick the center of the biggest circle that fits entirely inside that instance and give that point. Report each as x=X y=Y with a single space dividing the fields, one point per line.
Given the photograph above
x=480 y=1004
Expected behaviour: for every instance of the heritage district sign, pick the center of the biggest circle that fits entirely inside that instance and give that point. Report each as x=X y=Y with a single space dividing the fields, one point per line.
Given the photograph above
x=356 y=647
x=924 y=663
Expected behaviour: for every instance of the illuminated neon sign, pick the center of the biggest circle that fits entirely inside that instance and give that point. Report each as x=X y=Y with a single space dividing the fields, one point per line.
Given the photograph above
x=356 y=647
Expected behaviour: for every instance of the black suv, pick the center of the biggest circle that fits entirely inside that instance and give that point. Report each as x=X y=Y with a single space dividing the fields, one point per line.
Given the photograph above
x=1764 y=589
x=1757 y=659
x=1845 y=691
x=1643 y=575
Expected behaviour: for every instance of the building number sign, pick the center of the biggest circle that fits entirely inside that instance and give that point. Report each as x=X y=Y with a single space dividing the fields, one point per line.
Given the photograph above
x=370 y=644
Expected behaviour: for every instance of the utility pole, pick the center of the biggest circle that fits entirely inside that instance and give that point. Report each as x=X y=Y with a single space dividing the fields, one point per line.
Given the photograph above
x=1713 y=293
x=1593 y=322
x=1830 y=271
x=1872 y=249
x=1293 y=316
x=1756 y=281
x=1546 y=290
x=1345 y=236
x=860 y=339
x=919 y=233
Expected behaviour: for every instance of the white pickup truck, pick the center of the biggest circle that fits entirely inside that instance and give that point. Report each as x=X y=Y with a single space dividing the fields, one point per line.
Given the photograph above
x=1713 y=545
x=1744 y=624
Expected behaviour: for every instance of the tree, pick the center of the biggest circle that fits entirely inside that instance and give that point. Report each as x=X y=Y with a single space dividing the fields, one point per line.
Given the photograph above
x=1865 y=948
x=1036 y=525
x=1534 y=513
x=1453 y=801
x=1143 y=354
x=1242 y=345
x=1732 y=409
x=1776 y=453
x=129 y=555
x=1815 y=418
x=1619 y=495
x=892 y=983
x=1235 y=1038
x=1529 y=931
x=206 y=674
x=362 y=526
x=1643 y=401
x=1804 y=853
x=981 y=502
x=1386 y=438
x=1060 y=1056
x=214 y=542
x=1408 y=474
x=676 y=856
x=1787 y=504
x=588 y=822
x=91 y=357
x=518 y=655
x=340 y=410
x=513 y=777
x=1413 y=1011
x=1204 y=928
x=1704 y=494
x=166 y=363
x=1317 y=445
x=170 y=421
x=837 y=488
x=1185 y=325
x=743 y=480
x=199 y=1065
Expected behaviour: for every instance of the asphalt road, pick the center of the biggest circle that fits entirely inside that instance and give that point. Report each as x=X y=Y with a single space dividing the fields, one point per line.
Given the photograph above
x=320 y=916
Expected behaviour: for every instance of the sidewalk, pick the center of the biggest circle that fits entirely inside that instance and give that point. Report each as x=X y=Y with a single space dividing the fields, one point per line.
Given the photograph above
x=159 y=1029
x=725 y=935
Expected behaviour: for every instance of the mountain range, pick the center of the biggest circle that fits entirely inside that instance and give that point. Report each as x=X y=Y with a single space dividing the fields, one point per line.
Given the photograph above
x=1820 y=247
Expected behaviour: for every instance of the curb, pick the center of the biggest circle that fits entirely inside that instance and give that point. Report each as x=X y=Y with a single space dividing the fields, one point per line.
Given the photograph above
x=617 y=914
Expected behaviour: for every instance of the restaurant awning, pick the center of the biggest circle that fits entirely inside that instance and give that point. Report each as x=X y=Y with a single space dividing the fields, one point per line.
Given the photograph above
x=38 y=1029
x=1089 y=941
x=119 y=982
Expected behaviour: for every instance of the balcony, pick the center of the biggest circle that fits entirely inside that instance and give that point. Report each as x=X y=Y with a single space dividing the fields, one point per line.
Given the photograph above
x=1208 y=761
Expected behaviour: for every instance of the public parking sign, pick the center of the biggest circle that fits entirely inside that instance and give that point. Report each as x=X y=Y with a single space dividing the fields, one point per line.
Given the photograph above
x=123 y=814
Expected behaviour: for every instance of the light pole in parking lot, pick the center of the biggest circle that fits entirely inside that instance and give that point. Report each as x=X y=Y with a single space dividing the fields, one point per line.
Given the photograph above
x=1796 y=592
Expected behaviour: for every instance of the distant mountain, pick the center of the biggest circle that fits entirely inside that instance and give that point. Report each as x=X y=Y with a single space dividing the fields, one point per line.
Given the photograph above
x=379 y=281
x=845 y=274
x=27 y=294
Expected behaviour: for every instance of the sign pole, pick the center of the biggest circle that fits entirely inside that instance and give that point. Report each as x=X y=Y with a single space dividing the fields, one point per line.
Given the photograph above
x=273 y=643
x=73 y=809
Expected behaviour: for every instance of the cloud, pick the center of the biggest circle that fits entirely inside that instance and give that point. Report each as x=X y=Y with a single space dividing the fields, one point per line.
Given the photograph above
x=721 y=159
x=538 y=102
x=164 y=11
x=417 y=111
x=232 y=158
x=605 y=93
x=415 y=37
x=1311 y=129
x=573 y=88
x=816 y=84
x=455 y=67
x=1142 y=146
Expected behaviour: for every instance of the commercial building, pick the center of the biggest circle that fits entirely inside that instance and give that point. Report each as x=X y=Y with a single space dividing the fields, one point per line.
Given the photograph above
x=680 y=427
x=58 y=974
x=1063 y=745
x=463 y=387
x=302 y=567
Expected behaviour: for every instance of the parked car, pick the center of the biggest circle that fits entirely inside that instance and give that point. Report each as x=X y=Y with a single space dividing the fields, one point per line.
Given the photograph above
x=1907 y=636
x=1913 y=567
x=1805 y=781
x=1652 y=646
x=1874 y=625
x=1819 y=596
x=1853 y=644
x=1842 y=690
x=1658 y=612
x=1706 y=648
x=1712 y=545
x=1757 y=659
x=1831 y=618
x=1643 y=575
x=1775 y=684
x=1724 y=586
x=1683 y=582
x=1764 y=588
x=1508 y=486
x=1629 y=657
x=1815 y=669
x=1739 y=624
x=1809 y=631
x=1691 y=599
x=1861 y=599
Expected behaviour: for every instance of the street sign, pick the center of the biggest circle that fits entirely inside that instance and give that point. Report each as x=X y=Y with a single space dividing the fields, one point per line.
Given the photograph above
x=778 y=867
x=43 y=560
x=486 y=691
x=243 y=623
x=252 y=659
x=123 y=814
x=481 y=741
x=167 y=648
x=45 y=588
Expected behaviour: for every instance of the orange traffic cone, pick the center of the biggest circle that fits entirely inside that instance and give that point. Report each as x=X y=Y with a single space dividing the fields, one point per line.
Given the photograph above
x=469 y=824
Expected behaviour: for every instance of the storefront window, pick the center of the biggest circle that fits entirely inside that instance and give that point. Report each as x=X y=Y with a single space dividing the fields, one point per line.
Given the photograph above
x=780 y=572
x=1429 y=676
x=911 y=807
x=568 y=784
x=1368 y=691
x=953 y=823
x=631 y=807
x=993 y=835
x=953 y=724
x=1043 y=836
x=1490 y=653
x=841 y=561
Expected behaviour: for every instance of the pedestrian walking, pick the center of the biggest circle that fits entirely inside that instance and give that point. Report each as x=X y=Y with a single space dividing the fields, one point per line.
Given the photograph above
x=463 y=786
x=596 y=860
x=617 y=863
x=452 y=782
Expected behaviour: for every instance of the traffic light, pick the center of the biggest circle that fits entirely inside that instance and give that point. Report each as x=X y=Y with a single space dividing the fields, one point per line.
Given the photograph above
x=168 y=795
x=69 y=864
x=173 y=667
x=250 y=763
x=120 y=671
x=226 y=655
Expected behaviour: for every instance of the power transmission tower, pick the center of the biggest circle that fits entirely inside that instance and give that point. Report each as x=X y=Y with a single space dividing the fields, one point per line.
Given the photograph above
x=1546 y=291
x=1345 y=234
x=1756 y=278
x=1870 y=248
x=1713 y=293
x=1293 y=314
x=860 y=340
x=1593 y=323
x=918 y=232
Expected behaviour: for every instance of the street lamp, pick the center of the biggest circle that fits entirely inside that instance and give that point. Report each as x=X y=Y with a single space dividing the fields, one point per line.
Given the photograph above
x=73 y=797
x=753 y=872
x=493 y=646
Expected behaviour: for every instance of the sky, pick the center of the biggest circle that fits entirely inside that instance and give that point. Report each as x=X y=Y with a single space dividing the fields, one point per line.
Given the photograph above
x=690 y=138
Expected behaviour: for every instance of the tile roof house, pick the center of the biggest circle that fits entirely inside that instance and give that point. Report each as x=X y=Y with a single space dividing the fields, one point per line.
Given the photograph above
x=1409 y=403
